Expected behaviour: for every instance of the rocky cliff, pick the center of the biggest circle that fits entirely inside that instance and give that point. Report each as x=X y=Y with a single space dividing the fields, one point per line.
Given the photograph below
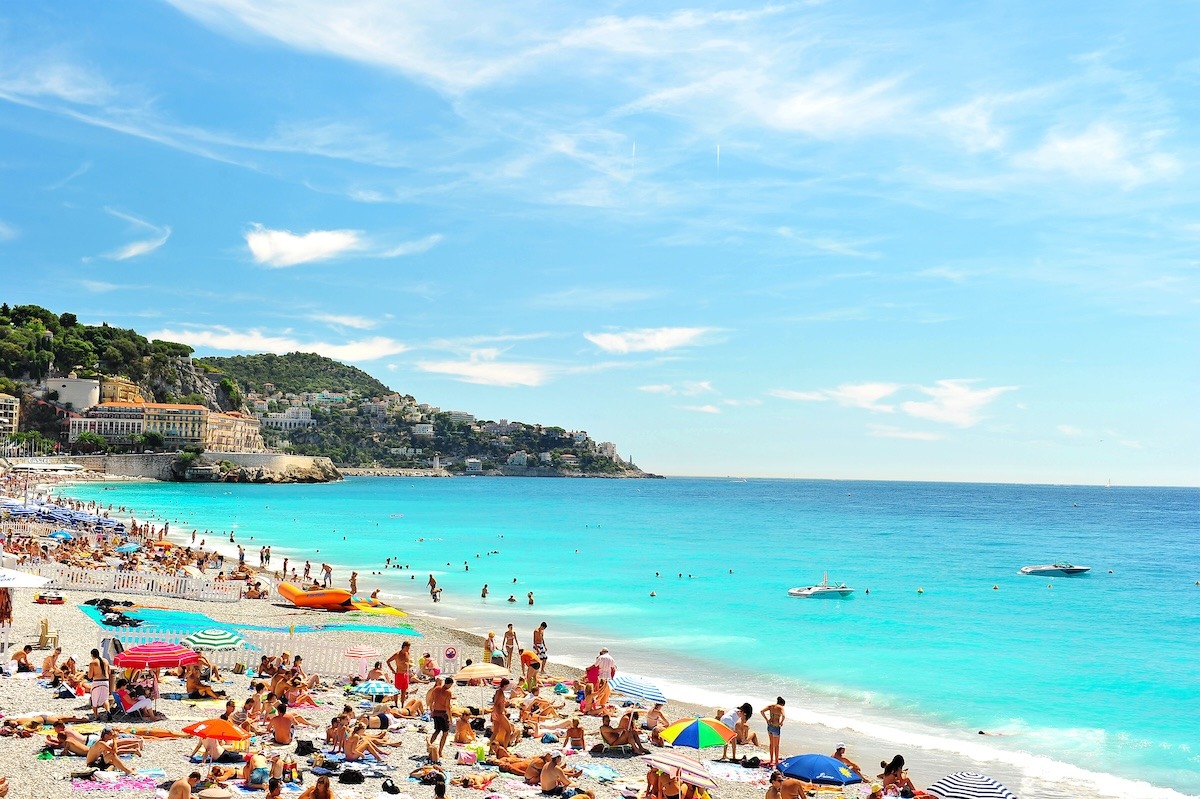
x=179 y=377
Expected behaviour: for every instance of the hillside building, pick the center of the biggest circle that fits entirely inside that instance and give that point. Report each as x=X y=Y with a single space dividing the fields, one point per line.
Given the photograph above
x=119 y=389
x=76 y=393
x=294 y=418
x=10 y=414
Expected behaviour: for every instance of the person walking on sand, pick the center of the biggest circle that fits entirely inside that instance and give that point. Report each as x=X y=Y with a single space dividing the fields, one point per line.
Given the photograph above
x=605 y=665
x=98 y=674
x=773 y=714
x=401 y=666
x=440 y=697
x=510 y=645
x=353 y=582
x=539 y=642
x=326 y=575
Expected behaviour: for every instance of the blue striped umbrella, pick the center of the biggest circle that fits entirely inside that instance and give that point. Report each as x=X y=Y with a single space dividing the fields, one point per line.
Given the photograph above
x=969 y=785
x=126 y=549
x=375 y=688
x=639 y=689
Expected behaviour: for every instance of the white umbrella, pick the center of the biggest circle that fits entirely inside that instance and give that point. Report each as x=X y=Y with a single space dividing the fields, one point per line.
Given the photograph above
x=638 y=689
x=9 y=578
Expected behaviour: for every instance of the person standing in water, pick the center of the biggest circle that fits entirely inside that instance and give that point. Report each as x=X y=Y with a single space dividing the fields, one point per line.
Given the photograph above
x=773 y=714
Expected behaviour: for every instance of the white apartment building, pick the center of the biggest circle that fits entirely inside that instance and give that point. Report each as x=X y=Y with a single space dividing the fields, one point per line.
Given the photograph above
x=423 y=429
x=608 y=449
x=520 y=458
x=290 y=419
x=474 y=466
x=460 y=416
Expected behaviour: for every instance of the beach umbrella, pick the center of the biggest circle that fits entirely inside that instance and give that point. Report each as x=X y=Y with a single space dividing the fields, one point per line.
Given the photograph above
x=156 y=655
x=215 y=639
x=687 y=769
x=62 y=535
x=638 y=689
x=697 y=733
x=819 y=770
x=481 y=671
x=362 y=654
x=126 y=549
x=969 y=785
x=217 y=730
x=10 y=578
x=375 y=688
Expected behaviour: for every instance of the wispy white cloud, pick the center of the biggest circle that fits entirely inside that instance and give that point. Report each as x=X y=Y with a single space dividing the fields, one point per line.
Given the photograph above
x=699 y=408
x=954 y=402
x=54 y=77
x=886 y=431
x=7 y=231
x=483 y=367
x=1069 y=430
x=1100 y=153
x=79 y=171
x=684 y=389
x=230 y=340
x=413 y=247
x=658 y=339
x=852 y=395
x=742 y=403
x=345 y=320
x=99 y=286
x=580 y=297
x=280 y=248
x=142 y=246
x=826 y=244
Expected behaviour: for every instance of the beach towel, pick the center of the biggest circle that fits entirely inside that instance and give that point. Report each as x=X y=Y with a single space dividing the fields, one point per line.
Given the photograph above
x=734 y=772
x=122 y=783
x=600 y=772
x=520 y=788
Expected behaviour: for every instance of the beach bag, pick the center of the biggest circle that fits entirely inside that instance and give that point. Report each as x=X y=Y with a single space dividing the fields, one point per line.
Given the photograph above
x=305 y=747
x=389 y=787
x=351 y=777
x=549 y=738
x=467 y=758
x=239 y=668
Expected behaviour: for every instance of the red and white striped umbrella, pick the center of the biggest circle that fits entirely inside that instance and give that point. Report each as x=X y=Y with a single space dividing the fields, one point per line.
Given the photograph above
x=156 y=655
x=361 y=652
x=687 y=769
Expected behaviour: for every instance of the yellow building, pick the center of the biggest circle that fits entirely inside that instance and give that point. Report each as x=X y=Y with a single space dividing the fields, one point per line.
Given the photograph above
x=233 y=432
x=10 y=414
x=118 y=389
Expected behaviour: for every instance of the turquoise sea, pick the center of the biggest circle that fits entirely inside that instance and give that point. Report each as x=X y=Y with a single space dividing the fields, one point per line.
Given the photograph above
x=1080 y=677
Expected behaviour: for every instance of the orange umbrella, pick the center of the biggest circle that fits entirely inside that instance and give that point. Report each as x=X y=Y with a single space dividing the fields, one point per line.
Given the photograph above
x=218 y=729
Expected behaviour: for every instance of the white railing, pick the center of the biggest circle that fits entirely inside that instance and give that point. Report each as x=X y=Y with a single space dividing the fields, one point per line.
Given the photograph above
x=131 y=582
x=318 y=659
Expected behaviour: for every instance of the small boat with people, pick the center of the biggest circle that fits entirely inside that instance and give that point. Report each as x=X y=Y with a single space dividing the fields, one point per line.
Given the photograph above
x=823 y=589
x=1065 y=569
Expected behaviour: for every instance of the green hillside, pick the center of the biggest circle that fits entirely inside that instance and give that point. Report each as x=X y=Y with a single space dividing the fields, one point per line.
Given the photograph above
x=295 y=373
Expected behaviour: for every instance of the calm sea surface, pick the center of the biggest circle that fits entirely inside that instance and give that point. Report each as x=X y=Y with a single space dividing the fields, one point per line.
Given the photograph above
x=942 y=635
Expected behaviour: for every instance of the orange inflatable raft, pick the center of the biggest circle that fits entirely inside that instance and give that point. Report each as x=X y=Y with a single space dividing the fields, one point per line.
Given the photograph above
x=324 y=599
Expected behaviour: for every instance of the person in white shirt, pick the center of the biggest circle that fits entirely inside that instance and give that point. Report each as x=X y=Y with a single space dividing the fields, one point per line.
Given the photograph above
x=606 y=665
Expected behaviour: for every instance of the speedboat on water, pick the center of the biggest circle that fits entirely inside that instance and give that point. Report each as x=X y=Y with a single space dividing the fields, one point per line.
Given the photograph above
x=1065 y=569
x=822 y=590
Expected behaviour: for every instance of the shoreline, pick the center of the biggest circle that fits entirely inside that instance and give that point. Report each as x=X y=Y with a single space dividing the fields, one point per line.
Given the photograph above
x=807 y=730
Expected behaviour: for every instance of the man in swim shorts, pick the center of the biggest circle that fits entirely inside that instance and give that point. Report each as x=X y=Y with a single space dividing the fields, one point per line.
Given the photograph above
x=539 y=645
x=401 y=666
x=440 y=697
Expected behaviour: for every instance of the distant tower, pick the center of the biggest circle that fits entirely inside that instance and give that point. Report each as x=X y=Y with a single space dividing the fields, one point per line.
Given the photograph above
x=437 y=462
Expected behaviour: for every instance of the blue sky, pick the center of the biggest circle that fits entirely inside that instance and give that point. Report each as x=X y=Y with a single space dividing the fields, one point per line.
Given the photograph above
x=839 y=239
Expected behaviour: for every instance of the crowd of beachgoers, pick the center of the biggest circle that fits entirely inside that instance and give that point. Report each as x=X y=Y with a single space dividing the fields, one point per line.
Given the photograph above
x=519 y=725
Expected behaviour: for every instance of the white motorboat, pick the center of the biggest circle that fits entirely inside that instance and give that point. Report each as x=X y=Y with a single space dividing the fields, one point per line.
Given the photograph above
x=824 y=589
x=1065 y=569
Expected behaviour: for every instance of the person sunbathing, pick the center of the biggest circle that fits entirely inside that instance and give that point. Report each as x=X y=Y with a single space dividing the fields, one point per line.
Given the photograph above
x=335 y=734
x=895 y=774
x=261 y=768
x=477 y=781
x=554 y=780
x=358 y=745
x=613 y=736
x=103 y=754
x=655 y=722
x=575 y=734
x=297 y=693
x=50 y=662
x=412 y=708
x=628 y=727
x=41 y=719
x=215 y=753
x=21 y=658
x=197 y=689
x=464 y=733
x=533 y=769
x=283 y=725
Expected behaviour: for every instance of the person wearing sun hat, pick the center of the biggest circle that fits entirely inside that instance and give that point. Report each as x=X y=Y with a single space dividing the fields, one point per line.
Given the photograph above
x=839 y=753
